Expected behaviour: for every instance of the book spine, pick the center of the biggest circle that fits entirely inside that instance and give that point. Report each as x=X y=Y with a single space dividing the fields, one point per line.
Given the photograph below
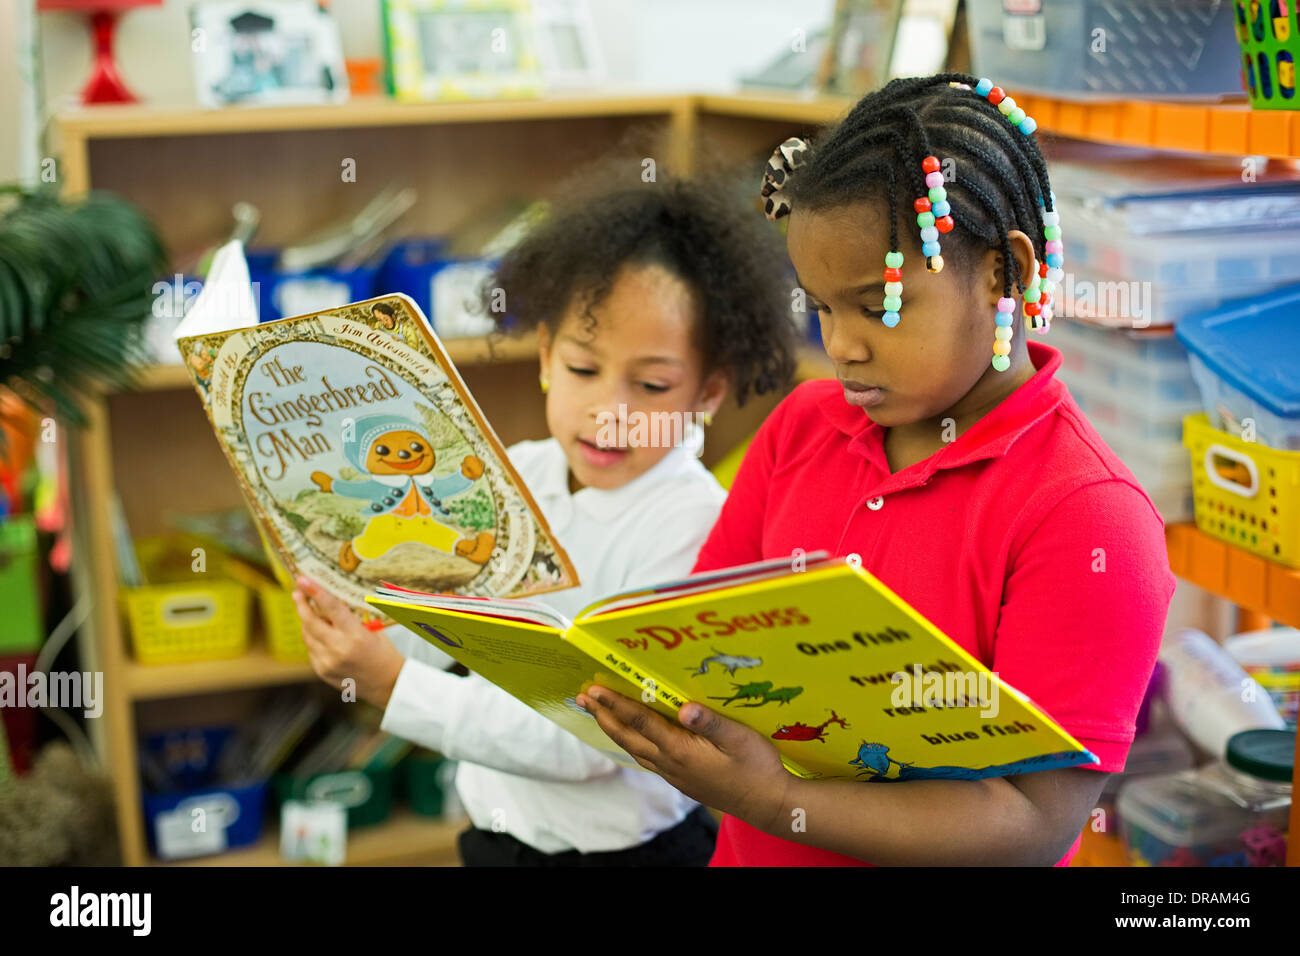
x=618 y=662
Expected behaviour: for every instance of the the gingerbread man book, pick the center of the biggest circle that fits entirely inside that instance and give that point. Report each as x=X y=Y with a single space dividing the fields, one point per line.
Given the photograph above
x=359 y=449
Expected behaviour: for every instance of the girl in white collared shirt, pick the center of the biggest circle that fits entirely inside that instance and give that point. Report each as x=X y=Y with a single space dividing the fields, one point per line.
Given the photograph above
x=648 y=300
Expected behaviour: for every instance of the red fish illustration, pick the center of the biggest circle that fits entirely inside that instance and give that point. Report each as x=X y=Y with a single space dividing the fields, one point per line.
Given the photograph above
x=804 y=732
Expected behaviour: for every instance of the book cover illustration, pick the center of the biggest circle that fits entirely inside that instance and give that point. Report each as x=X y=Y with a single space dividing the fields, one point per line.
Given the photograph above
x=366 y=458
x=845 y=678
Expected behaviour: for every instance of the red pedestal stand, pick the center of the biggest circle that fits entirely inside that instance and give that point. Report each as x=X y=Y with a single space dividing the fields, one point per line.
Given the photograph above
x=105 y=85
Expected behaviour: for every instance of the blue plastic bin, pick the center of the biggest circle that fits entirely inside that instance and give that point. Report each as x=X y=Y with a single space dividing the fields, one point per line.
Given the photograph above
x=409 y=268
x=1246 y=360
x=282 y=294
x=421 y=269
x=244 y=807
x=189 y=758
x=1140 y=49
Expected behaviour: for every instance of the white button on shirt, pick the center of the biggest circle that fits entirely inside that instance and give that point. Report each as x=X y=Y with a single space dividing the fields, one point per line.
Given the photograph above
x=520 y=772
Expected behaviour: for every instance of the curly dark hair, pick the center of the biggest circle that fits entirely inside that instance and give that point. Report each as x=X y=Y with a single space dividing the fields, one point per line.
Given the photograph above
x=700 y=231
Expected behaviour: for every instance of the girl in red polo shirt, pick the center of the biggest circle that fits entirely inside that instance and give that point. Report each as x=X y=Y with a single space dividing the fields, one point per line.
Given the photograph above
x=948 y=458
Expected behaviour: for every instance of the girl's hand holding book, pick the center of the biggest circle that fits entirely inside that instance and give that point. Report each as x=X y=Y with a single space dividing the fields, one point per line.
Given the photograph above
x=722 y=764
x=342 y=648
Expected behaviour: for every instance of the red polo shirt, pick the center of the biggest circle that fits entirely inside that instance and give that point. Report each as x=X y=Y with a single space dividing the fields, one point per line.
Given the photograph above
x=1025 y=540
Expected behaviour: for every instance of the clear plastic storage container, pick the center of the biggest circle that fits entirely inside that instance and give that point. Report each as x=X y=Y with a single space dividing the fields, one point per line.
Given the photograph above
x=1230 y=409
x=1163 y=751
x=1246 y=362
x=1230 y=813
x=1148 y=368
x=1140 y=48
x=1137 y=420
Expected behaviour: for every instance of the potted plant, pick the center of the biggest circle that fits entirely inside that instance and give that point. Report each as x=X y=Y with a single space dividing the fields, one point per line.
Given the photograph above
x=76 y=285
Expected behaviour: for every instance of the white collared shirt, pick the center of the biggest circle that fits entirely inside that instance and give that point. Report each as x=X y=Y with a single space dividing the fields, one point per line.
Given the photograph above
x=519 y=772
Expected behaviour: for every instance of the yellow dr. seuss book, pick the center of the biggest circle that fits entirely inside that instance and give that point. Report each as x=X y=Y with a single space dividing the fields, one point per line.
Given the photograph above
x=359 y=449
x=845 y=678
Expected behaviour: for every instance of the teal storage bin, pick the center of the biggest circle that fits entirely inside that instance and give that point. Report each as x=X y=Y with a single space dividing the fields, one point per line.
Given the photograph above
x=1137 y=49
x=366 y=794
x=420 y=775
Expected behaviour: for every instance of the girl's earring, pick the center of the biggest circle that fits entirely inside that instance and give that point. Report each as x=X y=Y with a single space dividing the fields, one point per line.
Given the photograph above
x=1002 y=334
x=706 y=418
x=546 y=385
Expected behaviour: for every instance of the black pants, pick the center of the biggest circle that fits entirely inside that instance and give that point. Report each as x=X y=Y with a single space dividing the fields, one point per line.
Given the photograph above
x=689 y=843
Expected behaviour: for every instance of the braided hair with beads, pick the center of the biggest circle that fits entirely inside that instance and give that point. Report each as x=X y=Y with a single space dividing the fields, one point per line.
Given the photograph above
x=892 y=139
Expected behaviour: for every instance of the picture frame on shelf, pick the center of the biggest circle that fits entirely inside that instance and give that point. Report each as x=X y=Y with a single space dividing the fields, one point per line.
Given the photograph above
x=460 y=49
x=568 y=47
x=264 y=53
x=860 y=46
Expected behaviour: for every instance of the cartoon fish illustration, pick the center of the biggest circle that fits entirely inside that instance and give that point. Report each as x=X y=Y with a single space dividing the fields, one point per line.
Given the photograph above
x=728 y=662
x=804 y=732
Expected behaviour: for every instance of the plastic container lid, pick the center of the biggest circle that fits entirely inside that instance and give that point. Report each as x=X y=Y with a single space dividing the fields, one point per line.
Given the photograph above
x=1254 y=346
x=1270 y=647
x=1269 y=754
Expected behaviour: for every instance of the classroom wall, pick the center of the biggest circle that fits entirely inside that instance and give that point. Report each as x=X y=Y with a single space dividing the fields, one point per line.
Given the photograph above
x=664 y=45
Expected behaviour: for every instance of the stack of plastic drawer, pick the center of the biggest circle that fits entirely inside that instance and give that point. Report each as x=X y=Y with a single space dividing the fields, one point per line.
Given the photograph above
x=1143 y=280
x=1152 y=240
x=1135 y=391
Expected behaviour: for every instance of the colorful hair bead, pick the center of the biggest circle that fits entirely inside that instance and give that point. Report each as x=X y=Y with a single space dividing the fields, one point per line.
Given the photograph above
x=1006 y=106
x=893 y=288
x=1002 y=333
x=930 y=209
x=1038 y=295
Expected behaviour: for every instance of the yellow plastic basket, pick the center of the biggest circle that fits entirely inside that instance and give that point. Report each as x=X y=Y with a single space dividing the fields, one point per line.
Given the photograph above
x=280 y=619
x=1245 y=493
x=200 y=619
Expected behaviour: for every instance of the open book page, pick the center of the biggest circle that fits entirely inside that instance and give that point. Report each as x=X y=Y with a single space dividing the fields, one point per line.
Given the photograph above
x=227 y=301
x=709 y=581
x=528 y=661
x=515 y=609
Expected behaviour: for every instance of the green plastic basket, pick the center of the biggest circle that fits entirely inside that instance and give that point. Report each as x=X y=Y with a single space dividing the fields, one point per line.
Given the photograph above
x=1270 y=45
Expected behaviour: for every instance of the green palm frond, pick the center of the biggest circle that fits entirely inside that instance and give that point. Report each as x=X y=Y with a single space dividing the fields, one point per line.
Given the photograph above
x=76 y=284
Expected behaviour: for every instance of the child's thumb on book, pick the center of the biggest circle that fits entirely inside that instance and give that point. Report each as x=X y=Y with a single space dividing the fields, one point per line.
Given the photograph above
x=696 y=717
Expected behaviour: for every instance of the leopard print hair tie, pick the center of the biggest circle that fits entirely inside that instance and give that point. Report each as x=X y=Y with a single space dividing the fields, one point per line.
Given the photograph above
x=786 y=158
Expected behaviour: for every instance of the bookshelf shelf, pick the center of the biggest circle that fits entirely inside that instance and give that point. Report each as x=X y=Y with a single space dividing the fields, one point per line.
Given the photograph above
x=1247 y=580
x=405 y=839
x=255 y=668
x=465 y=353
